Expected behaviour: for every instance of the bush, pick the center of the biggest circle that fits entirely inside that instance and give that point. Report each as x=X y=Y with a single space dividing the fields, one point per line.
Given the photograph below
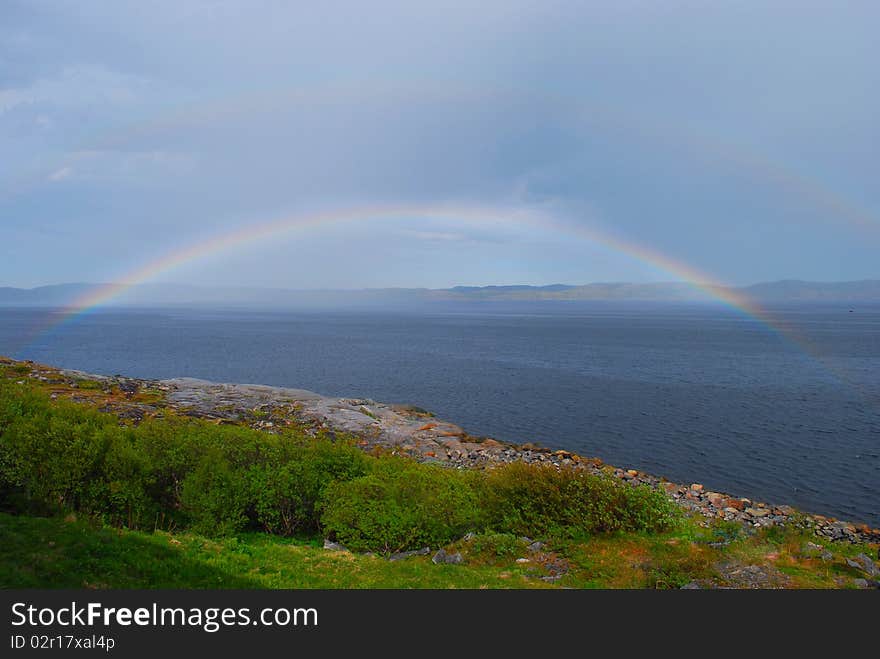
x=529 y=499
x=216 y=497
x=58 y=456
x=288 y=486
x=48 y=455
x=401 y=505
x=119 y=491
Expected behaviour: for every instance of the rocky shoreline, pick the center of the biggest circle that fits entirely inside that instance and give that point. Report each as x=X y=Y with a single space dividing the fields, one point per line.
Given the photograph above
x=400 y=429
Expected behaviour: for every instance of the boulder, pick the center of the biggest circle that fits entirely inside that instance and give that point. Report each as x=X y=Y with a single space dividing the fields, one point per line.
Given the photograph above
x=864 y=564
x=443 y=557
x=400 y=555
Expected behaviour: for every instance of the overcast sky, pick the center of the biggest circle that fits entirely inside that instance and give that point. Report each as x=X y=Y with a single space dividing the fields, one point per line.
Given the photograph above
x=740 y=138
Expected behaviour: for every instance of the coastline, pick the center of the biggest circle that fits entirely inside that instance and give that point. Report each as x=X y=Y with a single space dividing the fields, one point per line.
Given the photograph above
x=400 y=429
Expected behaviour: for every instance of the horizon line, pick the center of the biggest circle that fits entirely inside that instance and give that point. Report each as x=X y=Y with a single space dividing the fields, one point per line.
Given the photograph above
x=445 y=288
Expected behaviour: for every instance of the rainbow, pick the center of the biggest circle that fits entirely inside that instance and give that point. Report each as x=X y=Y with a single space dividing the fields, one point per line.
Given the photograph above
x=472 y=214
x=784 y=178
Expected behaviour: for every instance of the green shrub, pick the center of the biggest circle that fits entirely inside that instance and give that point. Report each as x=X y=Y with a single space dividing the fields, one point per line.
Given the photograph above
x=401 y=505
x=173 y=448
x=216 y=497
x=48 y=457
x=171 y=451
x=120 y=492
x=58 y=456
x=288 y=486
x=529 y=499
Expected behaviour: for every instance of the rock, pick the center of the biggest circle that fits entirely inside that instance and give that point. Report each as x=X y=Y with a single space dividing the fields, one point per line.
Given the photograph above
x=536 y=546
x=869 y=565
x=833 y=532
x=864 y=564
x=693 y=585
x=400 y=555
x=454 y=559
x=442 y=557
x=696 y=487
x=129 y=387
x=333 y=546
x=716 y=499
x=757 y=512
x=860 y=583
x=523 y=560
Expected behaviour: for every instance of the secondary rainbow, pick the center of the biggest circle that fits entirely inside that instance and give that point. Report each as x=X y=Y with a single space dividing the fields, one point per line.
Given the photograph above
x=803 y=190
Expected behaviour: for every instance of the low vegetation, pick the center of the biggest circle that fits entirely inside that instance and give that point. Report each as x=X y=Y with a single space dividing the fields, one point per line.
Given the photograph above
x=58 y=457
x=89 y=500
x=71 y=552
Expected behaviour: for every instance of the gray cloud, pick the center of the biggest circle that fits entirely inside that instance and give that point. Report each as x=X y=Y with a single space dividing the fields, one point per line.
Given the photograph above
x=739 y=138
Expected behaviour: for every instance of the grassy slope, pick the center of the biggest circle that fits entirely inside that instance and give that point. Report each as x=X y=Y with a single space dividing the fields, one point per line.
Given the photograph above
x=56 y=553
x=53 y=553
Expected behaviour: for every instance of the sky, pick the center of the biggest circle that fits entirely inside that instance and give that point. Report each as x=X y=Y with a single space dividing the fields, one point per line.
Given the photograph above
x=738 y=139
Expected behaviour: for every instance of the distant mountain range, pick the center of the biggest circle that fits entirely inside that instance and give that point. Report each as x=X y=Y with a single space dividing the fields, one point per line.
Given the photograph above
x=146 y=295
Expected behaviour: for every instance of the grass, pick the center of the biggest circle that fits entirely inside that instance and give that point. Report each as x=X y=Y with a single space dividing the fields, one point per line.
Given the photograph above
x=37 y=552
x=54 y=553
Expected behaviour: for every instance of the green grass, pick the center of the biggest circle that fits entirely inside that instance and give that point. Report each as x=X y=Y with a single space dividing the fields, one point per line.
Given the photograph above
x=38 y=552
x=53 y=553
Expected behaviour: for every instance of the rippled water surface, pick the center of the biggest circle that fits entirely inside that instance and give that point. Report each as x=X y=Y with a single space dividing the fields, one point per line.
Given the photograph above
x=693 y=393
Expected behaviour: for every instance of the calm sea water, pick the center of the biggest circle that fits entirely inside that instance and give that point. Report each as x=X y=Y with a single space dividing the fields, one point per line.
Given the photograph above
x=693 y=393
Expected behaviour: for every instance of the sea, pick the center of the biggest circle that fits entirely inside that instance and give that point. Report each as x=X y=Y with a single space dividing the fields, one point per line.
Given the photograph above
x=787 y=412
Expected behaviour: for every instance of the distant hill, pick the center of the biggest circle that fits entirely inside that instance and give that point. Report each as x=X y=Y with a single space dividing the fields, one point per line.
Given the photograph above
x=793 y=290
x=56 y=295
x=606 y=291
x=174 y=294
